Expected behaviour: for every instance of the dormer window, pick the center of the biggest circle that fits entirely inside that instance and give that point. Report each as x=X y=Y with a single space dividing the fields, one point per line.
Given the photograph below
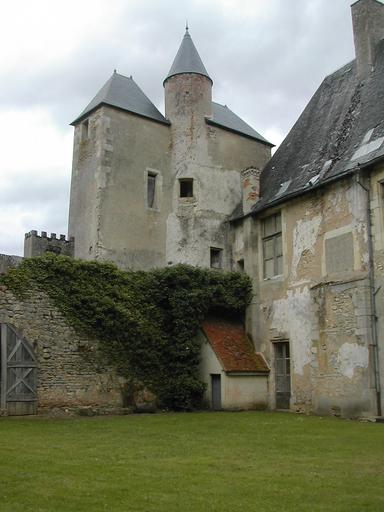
x=186 y=187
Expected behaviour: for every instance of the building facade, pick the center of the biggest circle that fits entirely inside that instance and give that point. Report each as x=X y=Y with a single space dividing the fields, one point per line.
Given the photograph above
x=199 y=186
x=149 y=190
x=313 y=242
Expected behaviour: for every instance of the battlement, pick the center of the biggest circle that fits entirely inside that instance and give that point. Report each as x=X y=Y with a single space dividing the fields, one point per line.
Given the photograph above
x=37 y=245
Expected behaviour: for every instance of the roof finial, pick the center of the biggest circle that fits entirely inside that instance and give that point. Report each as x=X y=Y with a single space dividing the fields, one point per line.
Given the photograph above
x=186 y=25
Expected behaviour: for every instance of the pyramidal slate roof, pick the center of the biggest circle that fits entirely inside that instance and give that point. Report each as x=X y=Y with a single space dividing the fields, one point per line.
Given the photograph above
x=340 y=131
x=225 y=118
x=187 y=59
x=122 y=92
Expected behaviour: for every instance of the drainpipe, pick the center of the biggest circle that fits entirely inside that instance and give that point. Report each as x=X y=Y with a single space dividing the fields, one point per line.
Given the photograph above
x=372 y=287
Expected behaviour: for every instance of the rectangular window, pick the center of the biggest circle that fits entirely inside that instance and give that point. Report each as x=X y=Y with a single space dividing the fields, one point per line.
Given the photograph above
x=272 y=246
x=85 y=130
x=151 y=190
x=216 y=257
x=186 y=187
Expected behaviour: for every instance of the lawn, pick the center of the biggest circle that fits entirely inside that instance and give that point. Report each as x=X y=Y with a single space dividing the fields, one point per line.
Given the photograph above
x=191 y=462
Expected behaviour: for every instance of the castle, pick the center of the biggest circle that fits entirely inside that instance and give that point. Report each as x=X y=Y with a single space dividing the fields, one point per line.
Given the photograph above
x=198 y=186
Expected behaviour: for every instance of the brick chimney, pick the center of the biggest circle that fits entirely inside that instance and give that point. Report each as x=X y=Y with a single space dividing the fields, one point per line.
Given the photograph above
x=368 y=30
x=251 y=188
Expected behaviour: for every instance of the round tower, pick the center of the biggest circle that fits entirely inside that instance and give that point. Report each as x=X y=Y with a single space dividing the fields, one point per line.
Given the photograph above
x=188 y=102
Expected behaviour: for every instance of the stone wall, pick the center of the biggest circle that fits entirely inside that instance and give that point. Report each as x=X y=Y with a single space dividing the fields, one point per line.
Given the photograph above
x=70 y=375
x=7 y=261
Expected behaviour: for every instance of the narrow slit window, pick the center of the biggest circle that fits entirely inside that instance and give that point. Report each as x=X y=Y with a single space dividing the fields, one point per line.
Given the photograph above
x=216 y=257
x=85 y=130
x=151 y=190
x=186 y=187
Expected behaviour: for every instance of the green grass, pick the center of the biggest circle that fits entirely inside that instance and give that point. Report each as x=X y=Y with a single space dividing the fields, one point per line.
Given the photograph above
x=191 y=462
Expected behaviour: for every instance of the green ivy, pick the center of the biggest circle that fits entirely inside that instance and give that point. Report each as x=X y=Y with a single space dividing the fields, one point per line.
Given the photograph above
x=145 y=322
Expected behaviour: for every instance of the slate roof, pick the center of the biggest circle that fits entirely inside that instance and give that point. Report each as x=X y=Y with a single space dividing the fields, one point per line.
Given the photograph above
x=187 y=59
x=233 y=348
x=123 y=92
x=225 y=118
x=340 y=131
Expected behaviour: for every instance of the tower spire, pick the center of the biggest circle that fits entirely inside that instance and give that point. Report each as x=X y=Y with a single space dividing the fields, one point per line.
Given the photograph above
x=187 y=59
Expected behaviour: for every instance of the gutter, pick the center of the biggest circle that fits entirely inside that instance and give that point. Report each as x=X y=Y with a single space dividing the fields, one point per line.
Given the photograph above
x=300 y=192
x=238 y=373
x=372 y=287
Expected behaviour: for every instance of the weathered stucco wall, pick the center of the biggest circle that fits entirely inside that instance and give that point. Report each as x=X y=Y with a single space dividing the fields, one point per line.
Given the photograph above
x=110 y=218
x=237 y=391
x=86 y=170
x=377 y=217
x=320 y=303
x=213 y=158
x=69 y=372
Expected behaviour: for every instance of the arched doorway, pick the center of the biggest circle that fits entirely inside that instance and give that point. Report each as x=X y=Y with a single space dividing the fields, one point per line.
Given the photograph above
x=18 y=373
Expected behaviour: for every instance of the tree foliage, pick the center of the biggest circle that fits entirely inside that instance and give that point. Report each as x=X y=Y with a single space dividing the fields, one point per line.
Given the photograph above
x=145 y=322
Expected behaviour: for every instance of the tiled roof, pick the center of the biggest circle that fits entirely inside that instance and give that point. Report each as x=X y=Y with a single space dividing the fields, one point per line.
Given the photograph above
x=187 y=59
x=233 y=348
x=340 y=130
x=225 y=118
x=122 y=92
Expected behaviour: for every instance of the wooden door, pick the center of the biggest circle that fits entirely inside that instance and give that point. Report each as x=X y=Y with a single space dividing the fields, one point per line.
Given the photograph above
x=18 y=374
x=282 y=375
x=216 y=392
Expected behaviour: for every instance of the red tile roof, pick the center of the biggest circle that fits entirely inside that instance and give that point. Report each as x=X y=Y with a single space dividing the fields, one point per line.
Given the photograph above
x=233 y=348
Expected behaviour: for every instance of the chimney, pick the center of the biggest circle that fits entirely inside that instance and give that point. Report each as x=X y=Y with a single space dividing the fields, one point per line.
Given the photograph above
x=251 y=188
x=368 y=30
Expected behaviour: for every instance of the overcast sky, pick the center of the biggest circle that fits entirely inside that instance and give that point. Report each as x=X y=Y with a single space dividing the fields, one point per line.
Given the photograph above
x=266 y=58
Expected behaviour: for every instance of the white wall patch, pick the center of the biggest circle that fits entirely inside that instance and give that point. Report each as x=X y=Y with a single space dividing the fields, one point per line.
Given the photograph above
x=304 y=238
x=293 y=317
x=352 y=356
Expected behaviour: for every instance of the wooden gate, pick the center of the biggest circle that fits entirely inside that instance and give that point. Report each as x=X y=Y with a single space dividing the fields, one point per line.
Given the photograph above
x=18 y=374
x=282 y=375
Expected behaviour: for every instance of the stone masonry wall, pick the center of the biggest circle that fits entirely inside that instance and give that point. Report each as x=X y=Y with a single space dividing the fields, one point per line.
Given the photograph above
x=7 y=261
x=70 y=375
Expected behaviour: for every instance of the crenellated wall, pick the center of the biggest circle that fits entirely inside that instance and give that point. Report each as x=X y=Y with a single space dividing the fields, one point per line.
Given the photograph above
x=37 y=245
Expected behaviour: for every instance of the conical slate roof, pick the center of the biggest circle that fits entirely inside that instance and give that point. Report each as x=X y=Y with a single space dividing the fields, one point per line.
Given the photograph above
x=187 y=59
x=123 y=92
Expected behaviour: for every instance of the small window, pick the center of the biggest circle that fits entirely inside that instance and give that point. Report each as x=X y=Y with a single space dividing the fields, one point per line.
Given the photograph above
x=216 y=257
x=186 y=187
x=151 y=190
x=85 y=130
x=272 y=246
